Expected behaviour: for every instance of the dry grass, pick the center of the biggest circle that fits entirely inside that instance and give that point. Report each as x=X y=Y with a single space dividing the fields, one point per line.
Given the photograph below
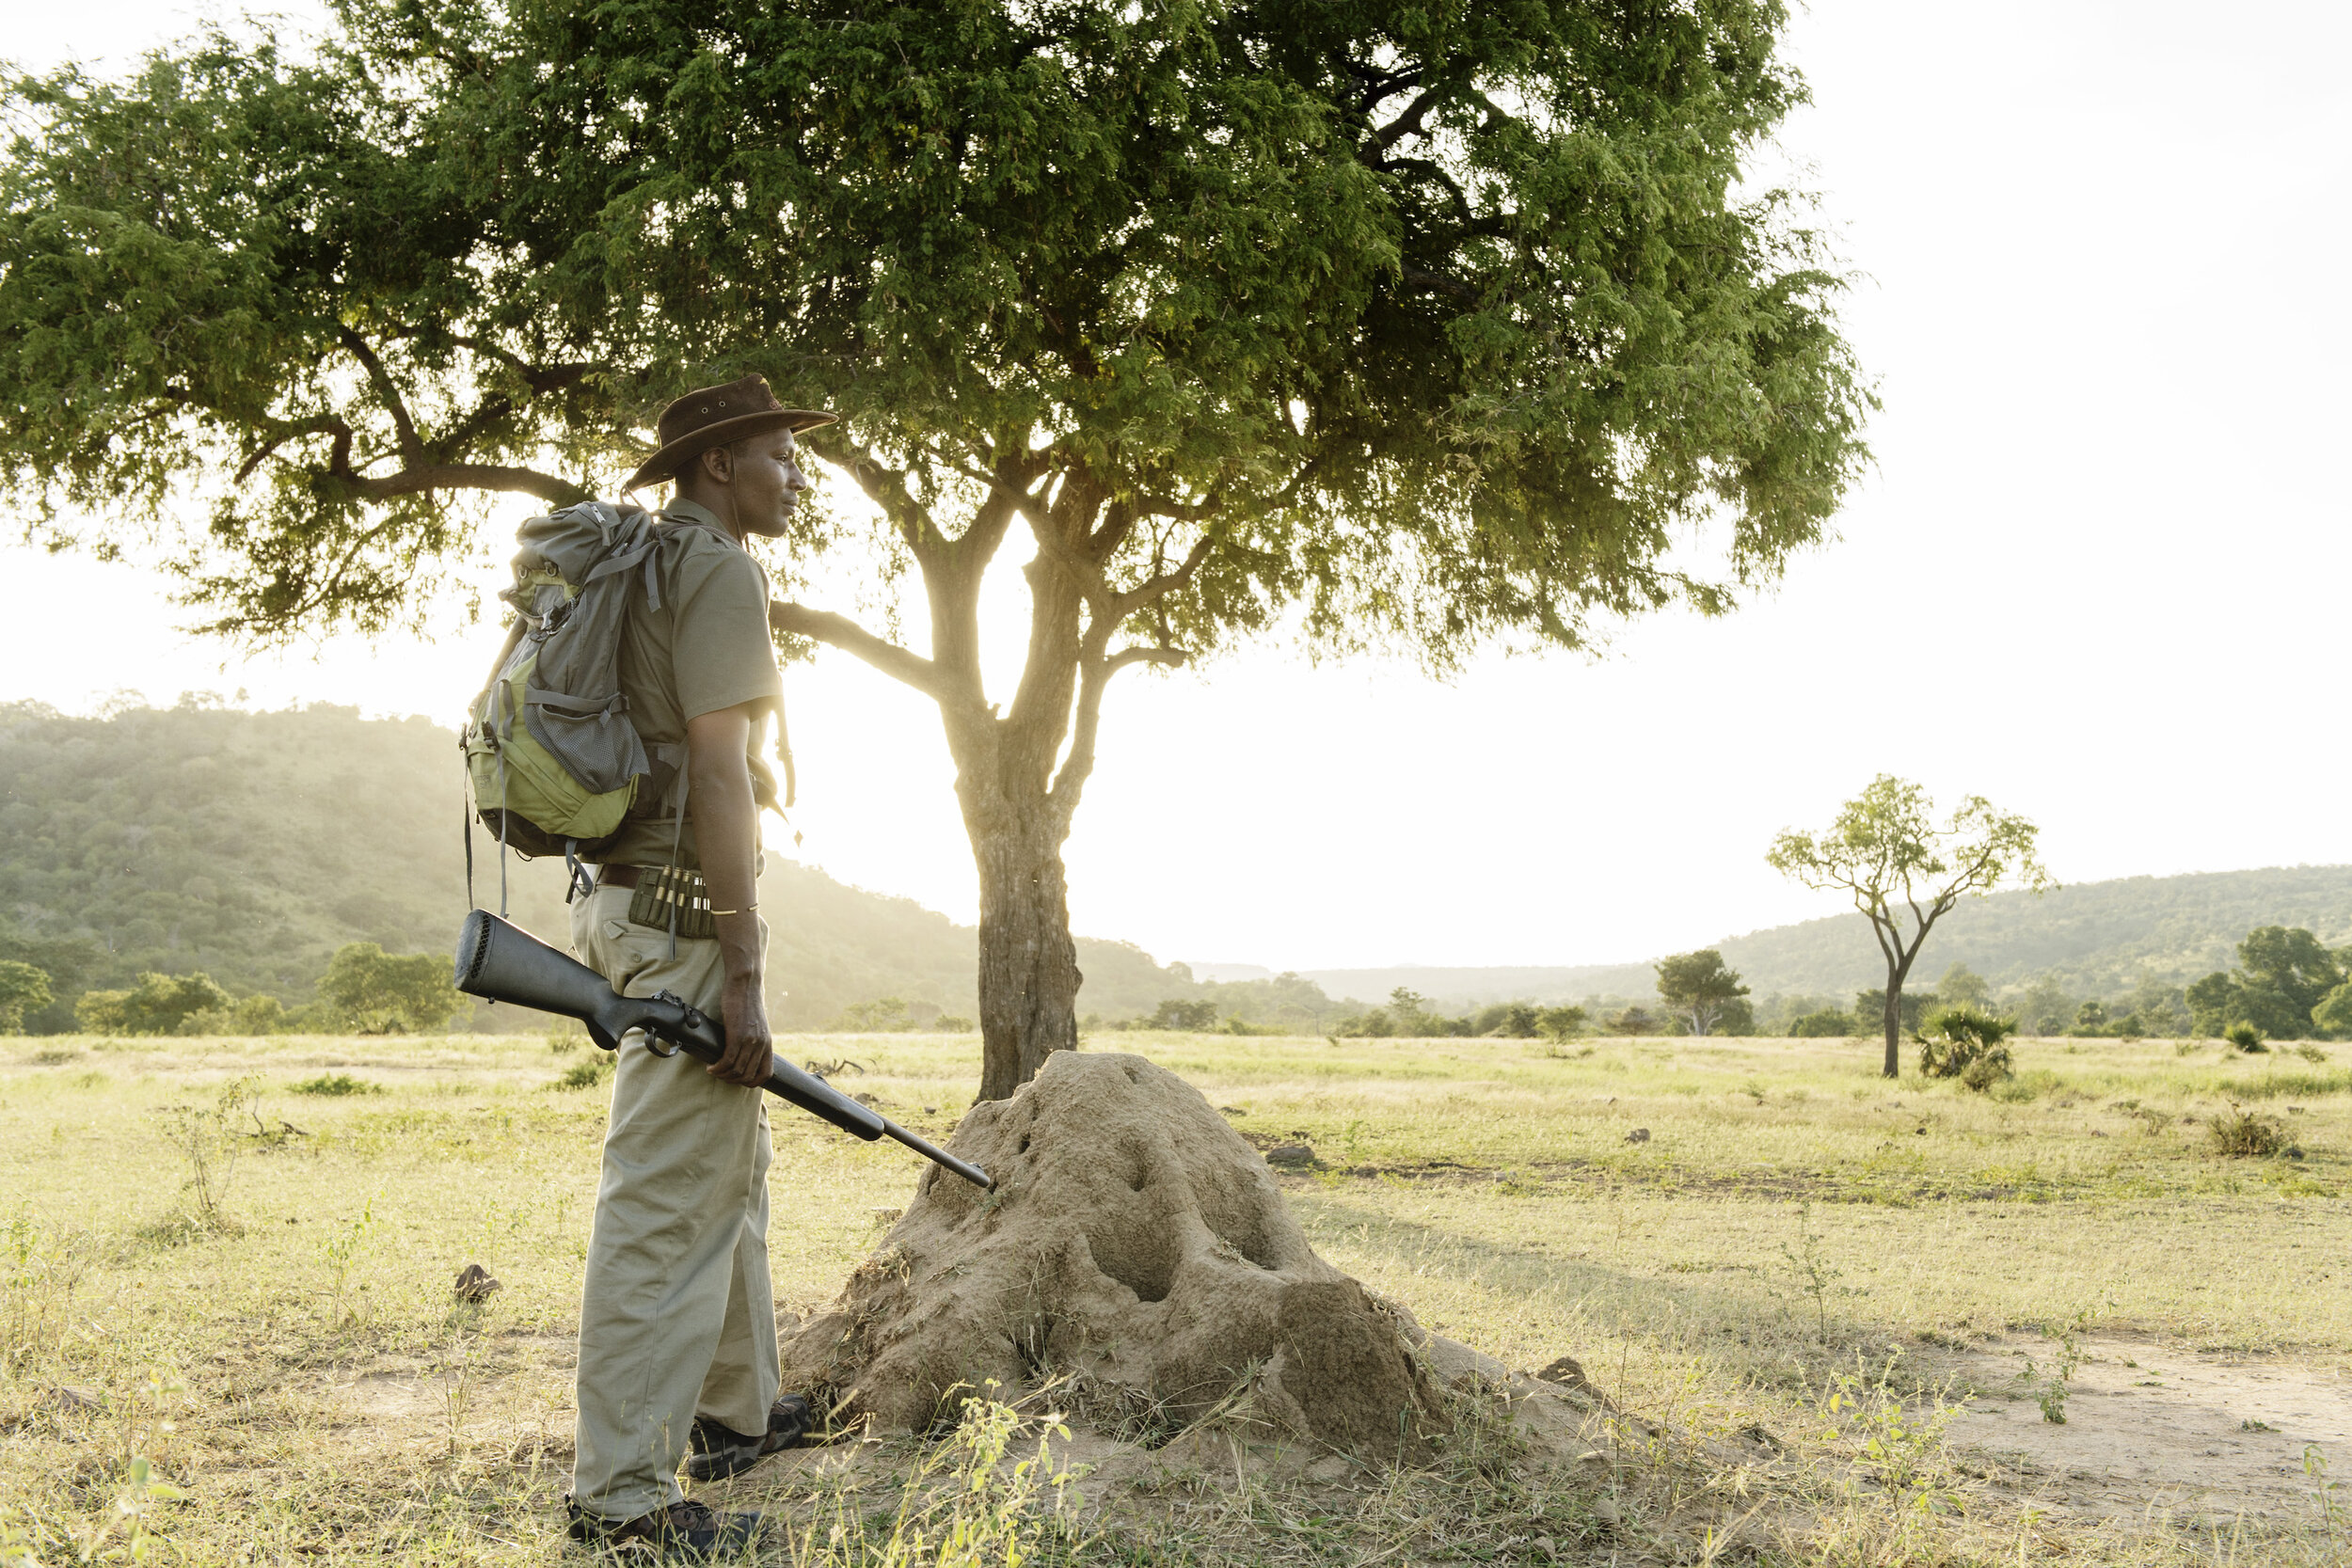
x=1783 y=1255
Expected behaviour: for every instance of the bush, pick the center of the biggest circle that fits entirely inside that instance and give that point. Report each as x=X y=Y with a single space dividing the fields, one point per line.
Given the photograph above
x=2246 y=1037
x=1188 y=1016
x=1825 y=1026
x=2242 y=1134
x=953 y=1023
x=587 y=1074
x=1561 y=1024
x=337 y=1084
x=158 y=1004
x=387 y=993
x=1965 y=1044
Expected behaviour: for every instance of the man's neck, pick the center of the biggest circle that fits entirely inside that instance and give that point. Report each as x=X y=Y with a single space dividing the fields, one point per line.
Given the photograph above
x=702 y=512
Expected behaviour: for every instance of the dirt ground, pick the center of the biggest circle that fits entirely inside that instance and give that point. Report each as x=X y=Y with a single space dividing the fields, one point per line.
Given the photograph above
x=2155 y=1432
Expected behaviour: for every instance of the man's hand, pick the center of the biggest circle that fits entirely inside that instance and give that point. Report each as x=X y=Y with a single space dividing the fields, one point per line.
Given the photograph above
x=727 y=833
x=751 y=1051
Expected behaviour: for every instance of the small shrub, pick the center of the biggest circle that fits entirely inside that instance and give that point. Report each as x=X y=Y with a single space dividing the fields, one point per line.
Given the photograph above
x=953 y=1023
x=1962 y=1044
x=1988 y=1070
x=1822 y=1026
x=337 y=1084
x=2184 y=1048
x=2025 y=1085
x=588 y=1074
x=2246 y=1037
x=2242 y=1134
x=2311 y=1053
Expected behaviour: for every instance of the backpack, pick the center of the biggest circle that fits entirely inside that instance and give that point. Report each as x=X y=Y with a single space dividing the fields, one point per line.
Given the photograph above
x=554 y=764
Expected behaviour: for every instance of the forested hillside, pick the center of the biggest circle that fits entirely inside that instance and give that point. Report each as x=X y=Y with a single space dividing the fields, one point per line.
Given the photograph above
x=251 y=846
x=2096 y=940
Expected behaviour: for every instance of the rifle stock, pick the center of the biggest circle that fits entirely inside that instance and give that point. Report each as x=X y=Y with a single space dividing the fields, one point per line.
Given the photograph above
x=501 y=961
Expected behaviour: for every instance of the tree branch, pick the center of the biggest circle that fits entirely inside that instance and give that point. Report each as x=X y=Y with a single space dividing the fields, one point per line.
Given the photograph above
x=1095 y=673
x=839 y=631
x=463 y=476
x=411 y=446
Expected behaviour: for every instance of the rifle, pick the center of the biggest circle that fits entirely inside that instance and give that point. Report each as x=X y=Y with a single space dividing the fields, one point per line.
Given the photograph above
x=503 y=962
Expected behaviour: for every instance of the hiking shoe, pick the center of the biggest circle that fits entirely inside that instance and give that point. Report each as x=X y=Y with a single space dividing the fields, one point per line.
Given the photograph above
x=693 y=1529
x=714 y=1453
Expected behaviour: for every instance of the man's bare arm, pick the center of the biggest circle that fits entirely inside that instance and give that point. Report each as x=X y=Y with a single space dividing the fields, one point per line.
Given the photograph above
x=727 y=828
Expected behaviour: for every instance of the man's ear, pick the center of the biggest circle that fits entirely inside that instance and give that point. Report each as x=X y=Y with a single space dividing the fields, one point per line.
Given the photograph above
x=718 y=464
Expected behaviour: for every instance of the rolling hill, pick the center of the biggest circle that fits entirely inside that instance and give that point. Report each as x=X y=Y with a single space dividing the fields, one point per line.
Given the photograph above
x=251 y=846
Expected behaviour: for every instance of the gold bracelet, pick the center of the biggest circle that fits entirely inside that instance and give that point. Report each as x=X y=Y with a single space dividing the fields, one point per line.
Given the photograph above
x=748 y=908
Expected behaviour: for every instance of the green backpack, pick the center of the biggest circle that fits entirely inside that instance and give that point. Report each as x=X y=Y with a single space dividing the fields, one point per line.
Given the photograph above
x=554 y=764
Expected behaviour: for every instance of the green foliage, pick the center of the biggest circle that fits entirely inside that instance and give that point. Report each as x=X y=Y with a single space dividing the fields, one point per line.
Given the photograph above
x=337 y=1084
x=1824 y=1024
x=1436 y=327
x=209 y=1137
x=382 y=993
x=158 y=1004
x=591 y=1073
x=1631 y=1021
x=23 y=988
x=2283 y=977
x=882 y=1016
x=2240 y=1135
x=1561 y=1024
x=1869 y=1010
x=1699 y=987
x=1967 y=1043
x=2245 y=1037
x=1174 y=1014
x=1888 y=850
x=2332 y=1018
x=1962 y=987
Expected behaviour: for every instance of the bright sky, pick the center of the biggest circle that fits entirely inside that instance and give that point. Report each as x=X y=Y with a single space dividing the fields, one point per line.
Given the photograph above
x=2096 y=576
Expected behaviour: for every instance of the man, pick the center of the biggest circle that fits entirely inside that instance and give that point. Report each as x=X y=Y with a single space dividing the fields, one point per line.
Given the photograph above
x=677 y=1351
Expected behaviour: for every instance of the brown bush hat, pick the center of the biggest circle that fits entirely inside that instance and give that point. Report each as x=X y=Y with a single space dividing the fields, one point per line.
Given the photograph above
x=711 y=417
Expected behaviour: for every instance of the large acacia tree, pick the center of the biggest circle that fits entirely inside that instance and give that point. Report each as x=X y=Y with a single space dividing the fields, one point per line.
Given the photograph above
x=1427 y=326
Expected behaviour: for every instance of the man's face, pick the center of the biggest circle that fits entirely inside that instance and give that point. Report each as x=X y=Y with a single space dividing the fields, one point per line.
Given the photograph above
x=766 y=481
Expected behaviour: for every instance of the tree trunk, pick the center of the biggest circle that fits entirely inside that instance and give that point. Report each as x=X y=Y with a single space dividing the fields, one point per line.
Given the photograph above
x=1028 y=963
x=1894 y=1025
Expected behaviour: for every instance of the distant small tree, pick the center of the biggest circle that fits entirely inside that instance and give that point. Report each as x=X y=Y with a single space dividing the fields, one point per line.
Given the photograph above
x=1561 y=1024
x=2283 y=974
x=1888 y=852
x=23 y=988
x=1507 y=1020
x=1633 y=1020
x=1962 y=987
x=158 y=1004
x=1191 y=1016
x=2090 y=1017
x=2332 y=1018
x=382 y=993
x=1698 y=986
x=1869 y=1005
x=1826 y=1024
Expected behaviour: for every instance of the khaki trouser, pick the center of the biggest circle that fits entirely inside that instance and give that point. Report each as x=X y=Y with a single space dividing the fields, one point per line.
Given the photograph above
x=677 y=1317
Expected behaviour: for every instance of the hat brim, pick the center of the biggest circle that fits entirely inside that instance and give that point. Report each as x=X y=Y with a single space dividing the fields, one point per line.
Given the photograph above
x=670 y=459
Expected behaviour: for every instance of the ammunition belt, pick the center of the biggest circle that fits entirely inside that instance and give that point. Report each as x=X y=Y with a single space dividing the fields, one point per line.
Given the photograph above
x=666 y=894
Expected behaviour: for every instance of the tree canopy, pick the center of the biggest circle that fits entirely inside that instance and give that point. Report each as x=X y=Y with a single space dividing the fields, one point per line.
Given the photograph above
x=1430 y=320
x=2283 y=976
x=1699 y=987
x=1425 y=326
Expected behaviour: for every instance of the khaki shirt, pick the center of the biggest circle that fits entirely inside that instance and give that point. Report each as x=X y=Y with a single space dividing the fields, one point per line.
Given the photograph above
x=707 y=648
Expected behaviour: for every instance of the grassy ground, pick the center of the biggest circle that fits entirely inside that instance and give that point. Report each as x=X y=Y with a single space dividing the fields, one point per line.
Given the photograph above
x=298 y=1383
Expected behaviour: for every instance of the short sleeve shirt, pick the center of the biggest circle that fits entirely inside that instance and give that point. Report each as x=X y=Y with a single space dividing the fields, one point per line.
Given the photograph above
x=706 y=649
